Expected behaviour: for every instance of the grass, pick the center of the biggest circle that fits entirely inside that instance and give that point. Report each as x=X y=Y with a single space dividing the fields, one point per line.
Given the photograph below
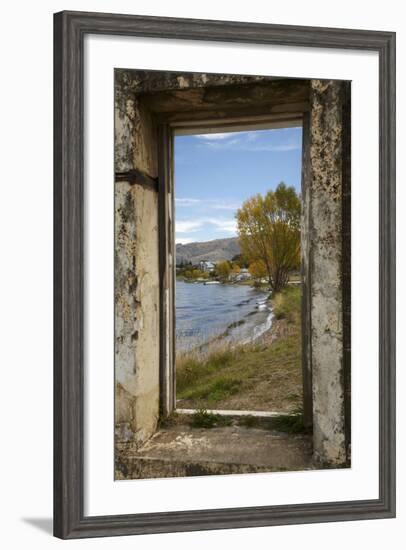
x=202 y=418
x=196 y=366
x=262 y=376
x=213 y=391
x=292 y=424
x=287 y=305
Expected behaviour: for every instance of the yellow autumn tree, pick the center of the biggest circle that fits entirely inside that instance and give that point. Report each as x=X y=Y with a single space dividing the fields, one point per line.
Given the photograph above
x=223 y=270
x=258 y=270
x=269 y=231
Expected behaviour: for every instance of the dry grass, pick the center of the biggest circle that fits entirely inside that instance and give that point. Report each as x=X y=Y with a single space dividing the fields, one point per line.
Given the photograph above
x=286 y=305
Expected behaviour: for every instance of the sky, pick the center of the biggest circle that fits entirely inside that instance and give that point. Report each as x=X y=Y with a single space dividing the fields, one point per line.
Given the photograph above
x=215 y=173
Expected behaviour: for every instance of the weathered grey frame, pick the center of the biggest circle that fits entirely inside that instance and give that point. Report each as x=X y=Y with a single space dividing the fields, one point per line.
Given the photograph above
x=70 y=29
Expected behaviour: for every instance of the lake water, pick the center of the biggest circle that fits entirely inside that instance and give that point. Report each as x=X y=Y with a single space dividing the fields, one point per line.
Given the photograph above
x=205 y=311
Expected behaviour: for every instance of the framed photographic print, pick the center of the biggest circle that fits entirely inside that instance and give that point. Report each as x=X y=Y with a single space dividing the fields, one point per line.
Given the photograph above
x=224 y=275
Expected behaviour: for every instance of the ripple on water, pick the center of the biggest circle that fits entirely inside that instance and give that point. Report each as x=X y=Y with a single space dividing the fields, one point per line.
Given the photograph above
x=205 y=311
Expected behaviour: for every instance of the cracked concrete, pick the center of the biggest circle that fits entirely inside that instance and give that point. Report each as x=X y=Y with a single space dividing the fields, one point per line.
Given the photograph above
x=182 y=451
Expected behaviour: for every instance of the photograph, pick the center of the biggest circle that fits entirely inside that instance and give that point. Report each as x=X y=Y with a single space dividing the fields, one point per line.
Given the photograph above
x=232 y=274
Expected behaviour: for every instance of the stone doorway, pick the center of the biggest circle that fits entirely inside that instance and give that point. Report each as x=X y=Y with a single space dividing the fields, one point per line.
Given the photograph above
x=150 y=106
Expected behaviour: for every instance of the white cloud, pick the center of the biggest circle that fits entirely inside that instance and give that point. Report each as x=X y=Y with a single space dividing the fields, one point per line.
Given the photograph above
x=187 y=201
x=183 y=240
x=188 y=226
x=248 y=141
x=191 y=226
x=224 y=206
x=224 y=145
x=224 y=225
x=205 y=203
x=253 y=146
x=215 y=137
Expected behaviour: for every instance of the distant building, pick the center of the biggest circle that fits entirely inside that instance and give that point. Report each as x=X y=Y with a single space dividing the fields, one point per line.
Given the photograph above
x=207 y=266
x=243 y=275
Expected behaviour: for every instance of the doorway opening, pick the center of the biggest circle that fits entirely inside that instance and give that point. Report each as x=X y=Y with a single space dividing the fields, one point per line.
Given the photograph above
x=237 y=297
x=229 y=388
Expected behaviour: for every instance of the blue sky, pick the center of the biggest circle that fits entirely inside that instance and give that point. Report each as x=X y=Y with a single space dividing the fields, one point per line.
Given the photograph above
x=215 y=173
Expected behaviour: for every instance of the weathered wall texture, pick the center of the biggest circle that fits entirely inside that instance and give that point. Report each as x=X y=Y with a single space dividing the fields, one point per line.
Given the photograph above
x=136 y=312
x=136 y=274
x=324 y=200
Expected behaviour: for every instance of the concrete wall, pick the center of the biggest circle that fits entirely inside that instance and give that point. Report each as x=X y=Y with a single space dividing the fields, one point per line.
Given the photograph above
x=136 y=273
x=305 y=249
x=325 y=285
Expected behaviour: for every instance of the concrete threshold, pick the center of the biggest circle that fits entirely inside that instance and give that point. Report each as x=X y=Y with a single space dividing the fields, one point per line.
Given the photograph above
x=221 y=412
x=181 y=451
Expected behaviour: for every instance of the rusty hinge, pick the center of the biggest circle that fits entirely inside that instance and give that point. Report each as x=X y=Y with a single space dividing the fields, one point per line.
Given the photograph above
x=139 y=178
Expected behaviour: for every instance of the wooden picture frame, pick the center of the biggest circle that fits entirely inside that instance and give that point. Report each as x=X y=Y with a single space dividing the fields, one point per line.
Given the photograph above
x=69 y=518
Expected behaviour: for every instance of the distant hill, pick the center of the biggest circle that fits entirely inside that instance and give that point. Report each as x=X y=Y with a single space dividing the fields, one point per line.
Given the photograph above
x=215 y=251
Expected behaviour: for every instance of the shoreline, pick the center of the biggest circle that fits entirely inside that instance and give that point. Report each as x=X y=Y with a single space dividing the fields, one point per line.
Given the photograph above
x=259 y=331
x=246 y=282
x=264 y=374
x=260 y=325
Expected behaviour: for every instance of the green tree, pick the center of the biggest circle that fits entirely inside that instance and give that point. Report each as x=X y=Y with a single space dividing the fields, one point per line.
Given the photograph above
x=269 y=231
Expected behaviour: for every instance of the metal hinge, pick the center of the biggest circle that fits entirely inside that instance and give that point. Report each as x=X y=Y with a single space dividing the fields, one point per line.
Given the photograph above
x=139 y=178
